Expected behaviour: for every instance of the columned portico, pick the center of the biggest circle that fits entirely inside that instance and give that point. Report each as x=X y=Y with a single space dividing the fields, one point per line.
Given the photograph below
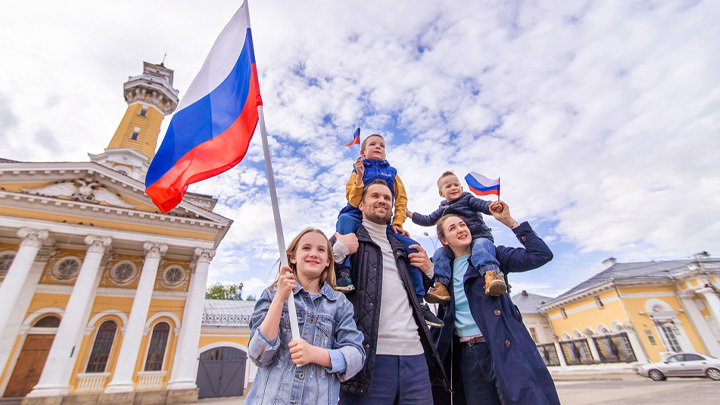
x=122 y=379
x=18 y=272
x=55 y=375
x=185 y=365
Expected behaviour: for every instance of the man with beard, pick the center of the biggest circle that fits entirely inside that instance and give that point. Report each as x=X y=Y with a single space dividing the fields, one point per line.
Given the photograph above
x=401 y=357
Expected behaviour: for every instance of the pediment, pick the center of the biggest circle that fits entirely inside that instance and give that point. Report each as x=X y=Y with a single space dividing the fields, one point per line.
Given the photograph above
x=90 y=189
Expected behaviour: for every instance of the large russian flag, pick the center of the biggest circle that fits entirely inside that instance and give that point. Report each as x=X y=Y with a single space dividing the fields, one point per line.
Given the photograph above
x=212 y=127
x=482 y=185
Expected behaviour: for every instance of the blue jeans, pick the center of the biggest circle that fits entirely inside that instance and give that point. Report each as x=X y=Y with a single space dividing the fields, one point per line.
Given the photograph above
x=350 y=219
x=483 y=257
x=478 y=377
x=396 y=380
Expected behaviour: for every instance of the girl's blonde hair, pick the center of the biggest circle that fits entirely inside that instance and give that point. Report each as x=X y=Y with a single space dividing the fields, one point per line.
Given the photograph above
x=328 y=274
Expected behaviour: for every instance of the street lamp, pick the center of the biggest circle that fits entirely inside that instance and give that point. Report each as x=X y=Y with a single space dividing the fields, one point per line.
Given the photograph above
x=434 y=242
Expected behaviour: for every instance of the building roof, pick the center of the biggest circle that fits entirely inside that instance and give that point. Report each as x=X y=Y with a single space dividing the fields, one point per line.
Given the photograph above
x=227 y=312
x=635 y=271
x=528 y=303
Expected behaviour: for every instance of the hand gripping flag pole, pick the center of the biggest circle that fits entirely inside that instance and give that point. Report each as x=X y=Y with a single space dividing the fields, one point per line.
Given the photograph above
x=292 y=313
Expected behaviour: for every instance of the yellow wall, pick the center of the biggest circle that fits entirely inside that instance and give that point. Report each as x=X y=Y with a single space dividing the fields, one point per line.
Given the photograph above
x=148 y=134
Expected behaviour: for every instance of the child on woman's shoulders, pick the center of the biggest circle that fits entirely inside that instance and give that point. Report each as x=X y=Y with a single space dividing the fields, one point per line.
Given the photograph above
x=471 y=209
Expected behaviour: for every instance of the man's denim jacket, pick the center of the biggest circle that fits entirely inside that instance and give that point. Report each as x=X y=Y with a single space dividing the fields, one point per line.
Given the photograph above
x=327 y=322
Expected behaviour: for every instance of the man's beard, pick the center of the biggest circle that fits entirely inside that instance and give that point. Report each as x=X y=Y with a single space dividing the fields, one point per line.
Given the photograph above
x=375 y=217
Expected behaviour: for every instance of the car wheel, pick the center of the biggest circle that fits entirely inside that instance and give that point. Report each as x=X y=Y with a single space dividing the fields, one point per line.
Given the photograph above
x=657 y=375
x=713 y=373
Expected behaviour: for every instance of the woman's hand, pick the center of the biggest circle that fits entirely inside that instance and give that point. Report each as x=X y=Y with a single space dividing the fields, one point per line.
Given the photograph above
x=501 y=212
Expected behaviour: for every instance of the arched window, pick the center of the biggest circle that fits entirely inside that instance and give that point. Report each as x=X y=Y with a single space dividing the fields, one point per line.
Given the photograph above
x=101 y=349
x=156 y=351
x=50 y=321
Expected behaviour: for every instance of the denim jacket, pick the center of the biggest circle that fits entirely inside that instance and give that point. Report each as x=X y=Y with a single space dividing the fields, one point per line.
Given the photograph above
x=327 y=322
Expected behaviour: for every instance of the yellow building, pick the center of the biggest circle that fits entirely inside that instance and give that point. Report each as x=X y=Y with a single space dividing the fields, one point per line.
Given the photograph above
x=639 y=312
x=101 y=294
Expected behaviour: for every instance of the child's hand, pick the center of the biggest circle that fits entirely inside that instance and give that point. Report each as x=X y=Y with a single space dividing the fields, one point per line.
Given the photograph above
x=408 y=214
x=285 y=283
x=398 y=229
x=359 y=168
x=302 y=353
x=496 y=206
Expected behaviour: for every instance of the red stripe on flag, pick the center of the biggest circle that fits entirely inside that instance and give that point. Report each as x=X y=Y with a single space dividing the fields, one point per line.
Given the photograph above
x=210 y=158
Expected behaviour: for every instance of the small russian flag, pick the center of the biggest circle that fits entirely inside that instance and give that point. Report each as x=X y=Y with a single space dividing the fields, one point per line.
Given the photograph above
x=481 y=185
x=356 y=136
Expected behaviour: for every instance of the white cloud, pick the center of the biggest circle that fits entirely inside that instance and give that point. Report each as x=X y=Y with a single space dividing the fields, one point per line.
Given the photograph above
x=601 y=118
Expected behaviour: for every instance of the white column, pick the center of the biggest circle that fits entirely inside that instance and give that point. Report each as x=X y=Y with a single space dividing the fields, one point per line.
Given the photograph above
x=561 y=355
x=593 y=350
x=712 y=300
x=127 y=359
x=14 y=323
x=706 y=335
x=55 y=376
x=637 y=347
x=18 y=272
x=184 y=369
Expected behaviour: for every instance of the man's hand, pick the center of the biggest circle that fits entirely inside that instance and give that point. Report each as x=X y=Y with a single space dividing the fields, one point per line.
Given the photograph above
x=302 y=353
x=420 y=259
x=350 y=241
x=398 y=229
x=360 y=169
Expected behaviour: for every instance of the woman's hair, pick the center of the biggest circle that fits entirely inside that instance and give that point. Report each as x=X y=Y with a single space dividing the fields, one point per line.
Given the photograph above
x=328 y=274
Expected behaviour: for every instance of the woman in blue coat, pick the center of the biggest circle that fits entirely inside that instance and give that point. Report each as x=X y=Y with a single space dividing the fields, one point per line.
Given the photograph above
x=485 y=348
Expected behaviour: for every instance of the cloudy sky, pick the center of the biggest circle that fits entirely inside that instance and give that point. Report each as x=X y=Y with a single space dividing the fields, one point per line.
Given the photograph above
x=602 y=118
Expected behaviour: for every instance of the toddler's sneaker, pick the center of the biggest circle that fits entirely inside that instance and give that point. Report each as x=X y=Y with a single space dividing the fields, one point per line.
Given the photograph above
x=438 y=294
x=343 y=283
x=494 y=284
x=430 y=318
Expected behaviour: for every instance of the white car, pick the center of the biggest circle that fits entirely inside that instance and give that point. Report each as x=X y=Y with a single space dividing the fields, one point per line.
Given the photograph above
x=683 y=365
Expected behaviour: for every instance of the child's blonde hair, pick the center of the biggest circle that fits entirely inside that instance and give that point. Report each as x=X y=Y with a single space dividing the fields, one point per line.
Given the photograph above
x=364 y=142
x=447 y=173
x=328 y=274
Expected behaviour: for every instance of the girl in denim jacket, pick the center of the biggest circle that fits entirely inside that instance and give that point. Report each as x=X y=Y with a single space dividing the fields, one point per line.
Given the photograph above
x=308 y=370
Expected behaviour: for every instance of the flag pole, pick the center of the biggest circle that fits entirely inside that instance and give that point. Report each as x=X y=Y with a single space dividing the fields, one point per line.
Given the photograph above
x=278 y=222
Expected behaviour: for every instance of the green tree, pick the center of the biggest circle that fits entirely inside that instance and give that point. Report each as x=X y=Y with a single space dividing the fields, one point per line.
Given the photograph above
x=250 y=298
x=220 y=291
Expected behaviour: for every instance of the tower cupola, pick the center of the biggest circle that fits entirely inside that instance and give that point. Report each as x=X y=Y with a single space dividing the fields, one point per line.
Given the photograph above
x=150 y=97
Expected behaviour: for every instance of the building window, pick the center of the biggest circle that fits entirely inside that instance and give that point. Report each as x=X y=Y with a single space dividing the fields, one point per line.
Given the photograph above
x=5 y=262
x=66 y=269
x=599 y=303
x=101 y=349
x=533 y=334
x=173 y=276
x=143 y=112
x=134 y=136
x=563 y=313
x=123 y=273
x=156 y=351
x=49 y=321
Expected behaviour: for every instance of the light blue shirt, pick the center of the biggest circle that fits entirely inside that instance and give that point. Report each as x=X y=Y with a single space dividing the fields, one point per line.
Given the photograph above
x=464 y=323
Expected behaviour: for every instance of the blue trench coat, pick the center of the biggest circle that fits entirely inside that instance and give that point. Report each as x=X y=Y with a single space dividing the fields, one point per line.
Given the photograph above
x=522 y=375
